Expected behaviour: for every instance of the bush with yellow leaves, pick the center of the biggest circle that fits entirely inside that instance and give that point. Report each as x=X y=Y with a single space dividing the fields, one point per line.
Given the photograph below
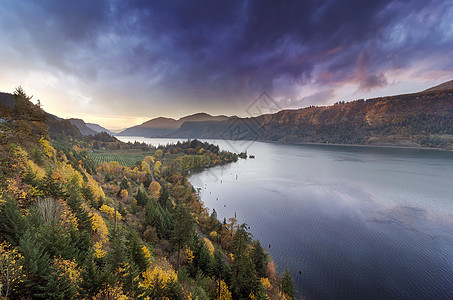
x=98 y=226
x=225 y=293
x=209 y=245
x=161 y=282
x=111 y=211
x=10 y=269
x=110 y=292
x=49 y=151
x=147 y=254
x=154 y=188
x=99 y=251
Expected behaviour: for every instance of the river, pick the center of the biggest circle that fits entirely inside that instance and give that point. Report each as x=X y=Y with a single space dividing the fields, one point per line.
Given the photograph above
x=350 y=222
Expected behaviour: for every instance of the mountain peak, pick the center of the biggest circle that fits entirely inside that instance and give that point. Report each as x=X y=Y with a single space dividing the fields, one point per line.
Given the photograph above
x=200 y=117
x=196 y=115
x=160 y=122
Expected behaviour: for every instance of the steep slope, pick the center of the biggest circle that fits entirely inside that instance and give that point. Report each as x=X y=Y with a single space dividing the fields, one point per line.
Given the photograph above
x=441 y=87
x=420 y=119
x=98 y=128
x=82 y=126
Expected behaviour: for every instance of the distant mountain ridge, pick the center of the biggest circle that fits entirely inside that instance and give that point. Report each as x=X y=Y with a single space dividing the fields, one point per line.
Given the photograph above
x=82 y=126
x=164 y=127
x=88 y=128
x=98 y=128
x=411 y=120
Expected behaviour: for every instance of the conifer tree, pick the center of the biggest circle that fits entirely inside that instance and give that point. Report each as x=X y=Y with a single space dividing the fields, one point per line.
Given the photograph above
x=135 y=252
x=287 y=284
x=117 y=253
x=36 y=265
x=243 y=278
x=52 y=187
x=259 y=258
x=141 y=197
x=164 y=197
x=124 y=184
x=12 y=224
x=92 y=279
x=183 y=229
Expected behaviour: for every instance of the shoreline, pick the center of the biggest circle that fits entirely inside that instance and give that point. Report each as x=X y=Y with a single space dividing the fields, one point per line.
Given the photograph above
x=383 y=146
x=360 y=145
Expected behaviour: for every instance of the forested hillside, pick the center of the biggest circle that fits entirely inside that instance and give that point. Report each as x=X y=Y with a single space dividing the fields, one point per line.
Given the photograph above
x=74 y=229
x=421 y=119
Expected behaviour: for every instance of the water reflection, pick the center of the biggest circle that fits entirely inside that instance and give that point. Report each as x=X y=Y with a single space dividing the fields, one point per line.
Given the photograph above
x=372 y=224
x=360 y=223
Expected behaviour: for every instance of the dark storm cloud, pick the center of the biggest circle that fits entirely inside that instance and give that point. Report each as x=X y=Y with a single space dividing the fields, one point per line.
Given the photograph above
x=208 y=50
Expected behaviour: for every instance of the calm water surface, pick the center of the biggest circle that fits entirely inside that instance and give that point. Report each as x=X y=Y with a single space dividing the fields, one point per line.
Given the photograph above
x=357 y=222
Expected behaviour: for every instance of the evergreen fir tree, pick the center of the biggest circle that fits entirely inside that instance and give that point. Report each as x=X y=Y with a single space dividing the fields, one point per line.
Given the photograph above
x=244 y=279
x=141 y=197
x=183 y=229
x=92 y=279
x=135 y=251
x=164 y=197
x=56 y=241
x=117 y=254
x=259 y=258
x=12 y=223
x=36 y=265
x=287 y=284
x=124 y=184
x=205 y=263
x=52 y=187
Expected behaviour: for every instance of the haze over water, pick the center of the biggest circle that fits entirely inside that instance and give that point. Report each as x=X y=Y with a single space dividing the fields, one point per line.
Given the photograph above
x=357 y=222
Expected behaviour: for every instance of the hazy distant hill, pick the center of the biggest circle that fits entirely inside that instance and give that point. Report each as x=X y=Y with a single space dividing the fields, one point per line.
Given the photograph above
x=82 y=126
x=164 y=127
x=98 y=128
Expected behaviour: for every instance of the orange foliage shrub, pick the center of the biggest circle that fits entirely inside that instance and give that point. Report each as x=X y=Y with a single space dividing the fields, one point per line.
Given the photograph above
x=98 y=226
x=225 y=293
x=154 y=188
x=209 y=245
x=111 y=211
x=49 y=151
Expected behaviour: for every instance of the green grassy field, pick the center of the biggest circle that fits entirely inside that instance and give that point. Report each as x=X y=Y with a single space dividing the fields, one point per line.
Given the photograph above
x=123 y=157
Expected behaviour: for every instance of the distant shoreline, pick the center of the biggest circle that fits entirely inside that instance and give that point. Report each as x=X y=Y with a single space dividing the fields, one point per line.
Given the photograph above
x=308 y=143
x=361 y=145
